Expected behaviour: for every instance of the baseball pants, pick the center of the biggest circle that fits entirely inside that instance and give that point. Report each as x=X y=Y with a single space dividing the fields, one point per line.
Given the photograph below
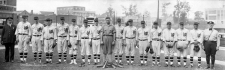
x=96 y=46
x=118 y=50
x=168 y=51
x=73 y=49
x=23 y=44
x=182 y=45
x=194 y=53
x=156 y=47
x=85 y=47
x=62 y=45
x=130 y=47
x=48 y=45
x=210 y=51
x=36 y=44
x=142 y=46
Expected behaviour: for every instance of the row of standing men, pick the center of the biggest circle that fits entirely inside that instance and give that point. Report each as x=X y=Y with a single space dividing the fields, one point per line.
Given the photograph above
x=116 y=39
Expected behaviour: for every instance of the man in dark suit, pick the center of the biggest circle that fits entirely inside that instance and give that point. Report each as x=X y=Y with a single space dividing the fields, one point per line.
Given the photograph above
x=8 y=39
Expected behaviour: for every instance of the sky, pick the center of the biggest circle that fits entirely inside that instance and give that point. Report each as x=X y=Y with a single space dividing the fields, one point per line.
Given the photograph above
x=100 y=6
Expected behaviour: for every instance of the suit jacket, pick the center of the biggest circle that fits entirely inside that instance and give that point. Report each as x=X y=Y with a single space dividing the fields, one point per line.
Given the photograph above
x=8 y=34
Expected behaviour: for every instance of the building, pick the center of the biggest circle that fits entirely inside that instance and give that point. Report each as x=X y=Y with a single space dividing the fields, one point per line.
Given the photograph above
x=7 y=9
x=74 y=10
x=215 y=14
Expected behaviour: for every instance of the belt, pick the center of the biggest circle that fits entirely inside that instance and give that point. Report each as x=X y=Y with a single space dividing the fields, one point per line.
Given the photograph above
x=169 y=41
x=61 y=36
x=49 y=39
x=95 y=38
x=156 y=39
x=84 y=38
x=37 y=35
x=119 y=37
x=22 y=34
x=130 y=37
x=107 y=35
x=209 y=41
x=181 y=40
x=73 y=36
x=143 y=39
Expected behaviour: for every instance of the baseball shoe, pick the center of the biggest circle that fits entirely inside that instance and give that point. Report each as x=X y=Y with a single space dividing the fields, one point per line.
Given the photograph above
x=166 y=65
x=171 y=65
x=82 y=64
x=159 y=64
x=178 y=65
x=46 y=62
x=64 y=61
x=50 y=62
x=191 y=65
x=212 y=67
x=208 y=66
x=75 y=63
x=120 y=63
x=39 y=61
x=199 y=66
x=71 y=62
x=95 y=63
x=153 y=64
x=185 y=66
x=59 y=62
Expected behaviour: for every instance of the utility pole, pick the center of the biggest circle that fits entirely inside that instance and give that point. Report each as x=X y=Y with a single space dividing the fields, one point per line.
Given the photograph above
x=158 y=13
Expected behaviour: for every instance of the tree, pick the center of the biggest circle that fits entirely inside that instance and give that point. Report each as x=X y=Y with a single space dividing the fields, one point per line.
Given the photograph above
x=131 y=11
x=198 y=15
x=181 y=11
x=164 y=14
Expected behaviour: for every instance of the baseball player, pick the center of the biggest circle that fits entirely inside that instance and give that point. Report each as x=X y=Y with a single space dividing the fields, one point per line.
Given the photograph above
x=63 y=39
x=36 y=42
x=196 y=36
x=95 y=35
x=49 y=37
x=143 y=42
x=73 y=40
x=23 y=33
x=118 y=50
x=183 y=41
x=211 y=42
x=85 y=38
x=169 y=40
x=130 y=42
x=155 y=36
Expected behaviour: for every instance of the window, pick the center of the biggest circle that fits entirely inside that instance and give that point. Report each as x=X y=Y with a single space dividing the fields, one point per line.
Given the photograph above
x=212 y=17
x=212 y=12
x=0 y=2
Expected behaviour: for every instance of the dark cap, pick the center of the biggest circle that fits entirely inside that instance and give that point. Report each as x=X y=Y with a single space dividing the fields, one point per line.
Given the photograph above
x=96 y=20
x=9 y=18
x=142 y=22
x=118 y=20
x=48 y=19
x=196 y=23
x=181 y=23
x=155 y=23
x=210 y=22
x=169 y=23
x=130 y=20
x=62 y=18
x=35 y=18
x=74 y=20
x=24 y=16
x=85 y=21
x=107 y=18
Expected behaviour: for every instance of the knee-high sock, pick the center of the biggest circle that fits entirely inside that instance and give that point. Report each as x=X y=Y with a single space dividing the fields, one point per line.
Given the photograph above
x=47 y=56
x=21 y=56
x=178 y=59
x=199 y=60
x=89 y=58
x=50 y=56
x=191 y=60
x=60 y=56
x=145 y=59
x=158 y=59
x=35 y=55
x=153 y=59
x=98 y=57
x=120 y=58
x=25 y=56
x=127 y=57
x=116 y=58
x=185 y=60
x=141 y=58
x=167 y=59
x=40 y=55
x=71 y=56
x=83 y=58
x=171 y=60
x=132 y=59
x=65 y=55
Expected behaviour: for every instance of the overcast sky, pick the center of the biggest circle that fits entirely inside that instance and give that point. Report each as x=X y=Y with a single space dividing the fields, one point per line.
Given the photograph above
x=100 y=6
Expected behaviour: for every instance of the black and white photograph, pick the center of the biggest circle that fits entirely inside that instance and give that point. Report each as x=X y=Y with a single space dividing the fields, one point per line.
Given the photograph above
x=112 y=34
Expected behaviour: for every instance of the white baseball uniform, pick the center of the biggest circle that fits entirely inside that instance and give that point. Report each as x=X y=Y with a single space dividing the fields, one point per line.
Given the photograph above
x=196 y=35
x=73 y=32
x=85 y=37
x=155 y=37
x=169 y=37
x=130 y=38
x=23 y=32
x=63 y=37
x=95 y=35
x=48 y=36
x=36 y=36
x=143 y=39
x=118 y=50
x=183 y=36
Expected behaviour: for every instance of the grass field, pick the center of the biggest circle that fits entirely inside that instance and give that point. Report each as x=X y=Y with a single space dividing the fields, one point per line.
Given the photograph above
x=65 y=66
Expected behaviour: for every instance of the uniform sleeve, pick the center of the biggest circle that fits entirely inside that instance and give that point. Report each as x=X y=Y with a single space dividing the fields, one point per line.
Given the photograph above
x=79 y=34
x=68 y=35
x=77 y=29
x=201 y=37
x=55 y=34
x=30 y=29
x=150 y=36
x=42 y=34
x=90 y=35
x=124 y=33
x=189 y=35
x=163 y=35
x=218 y=39
x=17 y=29
x=175 y=35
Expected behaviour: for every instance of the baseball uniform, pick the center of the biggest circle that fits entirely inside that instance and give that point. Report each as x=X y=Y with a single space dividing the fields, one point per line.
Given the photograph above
x=169 y=37
x=143 y=41
x=196 y=36
x=156 y=36
x=118 y=50
x=48 y=37
x=36 y=42
x=130 y=40
x=23 y=33
x=95 y=35
x=63 y=37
